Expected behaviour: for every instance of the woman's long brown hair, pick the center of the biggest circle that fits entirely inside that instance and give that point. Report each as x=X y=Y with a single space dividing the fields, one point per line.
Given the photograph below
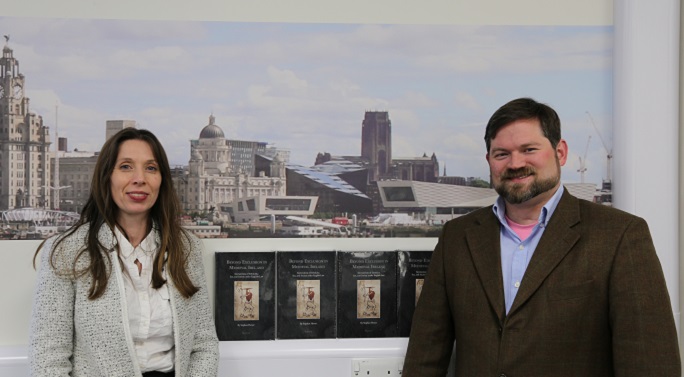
x=100 y=210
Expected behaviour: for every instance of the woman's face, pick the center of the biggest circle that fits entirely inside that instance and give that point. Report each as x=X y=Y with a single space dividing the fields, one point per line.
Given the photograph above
x=135 y=181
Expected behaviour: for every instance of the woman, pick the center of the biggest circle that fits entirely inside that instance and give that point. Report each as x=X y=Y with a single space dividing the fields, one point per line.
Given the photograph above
x=123 y=292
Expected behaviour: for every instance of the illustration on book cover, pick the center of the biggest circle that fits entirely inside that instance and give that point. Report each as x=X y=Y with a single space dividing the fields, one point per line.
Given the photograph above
x=419 y=288
x=246 y=301
x=368 y=299
x=308 y=299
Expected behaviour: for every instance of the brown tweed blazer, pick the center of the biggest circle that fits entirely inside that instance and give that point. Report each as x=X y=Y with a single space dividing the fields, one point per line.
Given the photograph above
x=593 y=301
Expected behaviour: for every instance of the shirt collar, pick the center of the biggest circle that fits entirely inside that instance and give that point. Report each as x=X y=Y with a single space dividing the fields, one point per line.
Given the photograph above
x=499 y=208
x=149 y=244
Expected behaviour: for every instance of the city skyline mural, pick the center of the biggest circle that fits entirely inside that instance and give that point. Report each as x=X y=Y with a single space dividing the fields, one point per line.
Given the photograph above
x=306 y=88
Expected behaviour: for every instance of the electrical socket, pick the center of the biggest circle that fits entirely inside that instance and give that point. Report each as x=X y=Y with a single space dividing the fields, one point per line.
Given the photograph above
x=377 y=367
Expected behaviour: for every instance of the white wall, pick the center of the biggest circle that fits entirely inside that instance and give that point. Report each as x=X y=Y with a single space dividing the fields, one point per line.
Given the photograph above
x=646 y=129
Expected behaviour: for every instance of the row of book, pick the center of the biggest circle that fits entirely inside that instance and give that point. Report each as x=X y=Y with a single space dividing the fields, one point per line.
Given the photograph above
x=317 y=294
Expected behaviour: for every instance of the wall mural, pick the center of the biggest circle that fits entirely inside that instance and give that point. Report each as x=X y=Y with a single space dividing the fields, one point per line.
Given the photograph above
x=291 y=130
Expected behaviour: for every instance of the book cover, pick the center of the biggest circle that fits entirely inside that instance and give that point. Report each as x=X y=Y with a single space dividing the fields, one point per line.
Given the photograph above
x=411 y=270
x=367 y=294
x=306 y=295
x=245 y=296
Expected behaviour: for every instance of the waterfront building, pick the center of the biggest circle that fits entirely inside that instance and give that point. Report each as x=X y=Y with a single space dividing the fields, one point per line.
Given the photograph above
x=24 y=142
x=114 y=126
x=221 y=171
x=76 y=169
x=257 y=208
x=335 y=195
x=377 y=161
x=376 y=155
x=435 y=203
x=424 y=169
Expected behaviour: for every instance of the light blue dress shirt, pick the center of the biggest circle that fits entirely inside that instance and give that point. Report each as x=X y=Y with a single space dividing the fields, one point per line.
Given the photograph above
x=516 y=253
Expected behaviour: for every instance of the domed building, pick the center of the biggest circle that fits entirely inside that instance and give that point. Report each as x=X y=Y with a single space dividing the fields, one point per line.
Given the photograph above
x=212 y=131
x=222 y=171
x=213 y=150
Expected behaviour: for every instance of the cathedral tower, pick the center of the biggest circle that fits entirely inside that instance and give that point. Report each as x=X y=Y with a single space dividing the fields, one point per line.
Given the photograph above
x=376 y=143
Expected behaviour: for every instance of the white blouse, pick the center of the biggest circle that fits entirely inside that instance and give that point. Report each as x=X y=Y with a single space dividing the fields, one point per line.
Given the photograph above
x=149 y=309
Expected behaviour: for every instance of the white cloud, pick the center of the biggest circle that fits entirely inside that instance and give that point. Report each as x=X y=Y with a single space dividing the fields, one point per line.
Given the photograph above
x=467 y=100
x=303 y=87
x=287 y=79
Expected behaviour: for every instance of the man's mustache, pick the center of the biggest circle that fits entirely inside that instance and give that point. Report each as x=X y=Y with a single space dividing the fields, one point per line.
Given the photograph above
x=517 y=173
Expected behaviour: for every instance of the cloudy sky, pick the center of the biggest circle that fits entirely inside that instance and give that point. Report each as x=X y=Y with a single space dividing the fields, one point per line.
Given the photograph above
x=305 y=87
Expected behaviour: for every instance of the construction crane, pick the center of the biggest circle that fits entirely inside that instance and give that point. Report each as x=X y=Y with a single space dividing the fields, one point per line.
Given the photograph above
x=609 y=151
x=583 y=161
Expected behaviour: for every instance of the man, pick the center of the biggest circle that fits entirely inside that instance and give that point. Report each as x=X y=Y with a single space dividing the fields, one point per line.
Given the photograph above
x=542 y=283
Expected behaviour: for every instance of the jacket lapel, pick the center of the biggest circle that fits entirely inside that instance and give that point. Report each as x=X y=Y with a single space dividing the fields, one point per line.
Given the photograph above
x=556 y=242
x=106 y=237
x=485 y=249
x=177 y=311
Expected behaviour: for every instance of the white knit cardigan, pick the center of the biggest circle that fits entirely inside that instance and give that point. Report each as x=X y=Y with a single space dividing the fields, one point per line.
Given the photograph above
x=73 y=336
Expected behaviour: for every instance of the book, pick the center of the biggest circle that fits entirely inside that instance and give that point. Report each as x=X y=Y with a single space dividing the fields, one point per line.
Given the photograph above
x=412 y=267
x=245 y=295
x=306 y=290
x=367 y=294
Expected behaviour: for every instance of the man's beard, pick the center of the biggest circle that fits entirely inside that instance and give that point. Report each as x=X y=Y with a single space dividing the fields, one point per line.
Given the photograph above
x=516 y=193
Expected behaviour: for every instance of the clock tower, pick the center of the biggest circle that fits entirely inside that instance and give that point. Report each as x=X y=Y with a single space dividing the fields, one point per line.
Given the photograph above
x=24 y=142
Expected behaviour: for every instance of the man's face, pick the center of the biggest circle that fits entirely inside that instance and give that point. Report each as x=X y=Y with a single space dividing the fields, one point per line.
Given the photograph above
x=523 y=164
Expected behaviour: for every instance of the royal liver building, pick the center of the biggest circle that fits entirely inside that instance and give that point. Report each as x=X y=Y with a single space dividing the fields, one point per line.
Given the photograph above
x=24 y=142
